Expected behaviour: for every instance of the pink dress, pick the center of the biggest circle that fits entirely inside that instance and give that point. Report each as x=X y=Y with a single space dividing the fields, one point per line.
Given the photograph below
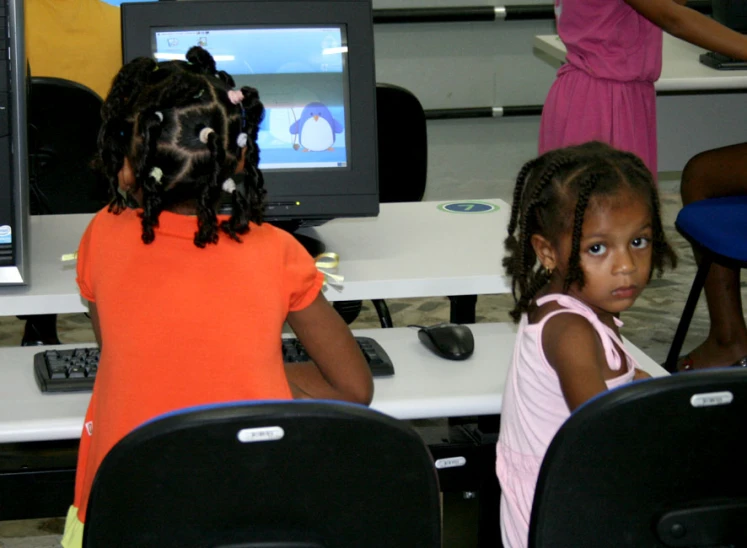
x=534 y=409
x=605 y=90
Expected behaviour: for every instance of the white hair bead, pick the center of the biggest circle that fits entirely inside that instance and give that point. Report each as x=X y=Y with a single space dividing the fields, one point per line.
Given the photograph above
x=159 y=114
x=157 y=174
x=241 y=139
x=229 y=186
x=204 y=132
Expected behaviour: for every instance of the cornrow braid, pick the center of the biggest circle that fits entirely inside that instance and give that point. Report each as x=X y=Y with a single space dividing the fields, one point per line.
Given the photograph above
x=575 y=274
x=184 y=135
x=557 y=183
x=521 y=260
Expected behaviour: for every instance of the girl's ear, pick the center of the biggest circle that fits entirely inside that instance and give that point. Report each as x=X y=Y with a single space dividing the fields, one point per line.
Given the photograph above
x=545 y=251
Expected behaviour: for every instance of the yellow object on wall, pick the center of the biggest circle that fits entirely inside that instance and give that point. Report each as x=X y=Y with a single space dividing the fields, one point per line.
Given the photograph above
x=79 y=40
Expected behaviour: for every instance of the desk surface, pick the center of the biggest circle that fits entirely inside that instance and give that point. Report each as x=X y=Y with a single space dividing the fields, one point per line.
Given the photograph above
x=409 y=250
x=681 y=70
x=424 y=386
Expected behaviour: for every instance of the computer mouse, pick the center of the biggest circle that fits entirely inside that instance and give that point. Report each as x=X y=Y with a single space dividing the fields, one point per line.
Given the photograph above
x=450 y=341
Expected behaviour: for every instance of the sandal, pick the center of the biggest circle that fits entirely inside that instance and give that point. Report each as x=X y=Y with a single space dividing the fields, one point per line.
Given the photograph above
x=685 y=363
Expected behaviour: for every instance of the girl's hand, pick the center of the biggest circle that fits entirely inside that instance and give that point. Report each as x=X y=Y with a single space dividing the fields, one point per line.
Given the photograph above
x=640 y=374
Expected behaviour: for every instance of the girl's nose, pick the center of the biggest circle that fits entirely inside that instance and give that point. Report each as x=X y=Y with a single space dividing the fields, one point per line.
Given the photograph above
x=625 y=264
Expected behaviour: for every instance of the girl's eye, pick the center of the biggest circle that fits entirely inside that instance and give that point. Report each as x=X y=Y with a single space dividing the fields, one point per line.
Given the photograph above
x=597 y=249
x=640 y=243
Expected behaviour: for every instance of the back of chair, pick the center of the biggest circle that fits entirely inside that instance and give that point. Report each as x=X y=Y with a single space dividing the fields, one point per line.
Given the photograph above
x=64 y=119
x=655 y=463
x=402 y=144
x=275 y=475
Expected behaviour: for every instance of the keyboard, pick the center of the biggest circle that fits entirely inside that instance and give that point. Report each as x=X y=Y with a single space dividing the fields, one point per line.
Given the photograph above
x=722 y=62
x=74 y=370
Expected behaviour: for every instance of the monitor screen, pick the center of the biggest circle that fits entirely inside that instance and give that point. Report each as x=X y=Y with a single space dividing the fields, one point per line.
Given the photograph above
x=302 y=77
x=313 y=64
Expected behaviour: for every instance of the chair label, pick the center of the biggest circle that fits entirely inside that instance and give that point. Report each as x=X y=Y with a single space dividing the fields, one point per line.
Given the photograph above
x=265 y=433
x=451 y=462
x=710 y=399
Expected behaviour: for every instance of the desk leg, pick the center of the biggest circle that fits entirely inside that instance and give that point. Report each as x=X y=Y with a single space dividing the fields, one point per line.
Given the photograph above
x=463 y=308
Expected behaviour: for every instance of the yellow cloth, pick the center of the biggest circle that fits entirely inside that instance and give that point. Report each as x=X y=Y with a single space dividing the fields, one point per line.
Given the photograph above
x=79 y=40
x=73 y=536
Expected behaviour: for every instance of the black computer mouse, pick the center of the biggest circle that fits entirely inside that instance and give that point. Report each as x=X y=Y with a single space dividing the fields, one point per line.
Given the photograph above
x=450 y=341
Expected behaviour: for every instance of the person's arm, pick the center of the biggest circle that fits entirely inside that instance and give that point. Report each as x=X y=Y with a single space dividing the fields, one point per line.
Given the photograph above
x=574 y=350
x=694 y=27
x=93 y=312
x=640 y=375
x=339 y=371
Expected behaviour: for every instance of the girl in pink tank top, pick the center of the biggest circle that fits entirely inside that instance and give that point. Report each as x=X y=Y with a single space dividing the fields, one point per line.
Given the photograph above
x=584 y=238
x=605 y=90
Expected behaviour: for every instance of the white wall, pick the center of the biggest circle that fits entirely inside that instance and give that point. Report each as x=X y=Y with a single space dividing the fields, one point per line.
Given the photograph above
x=459 y=65
x=449 y=65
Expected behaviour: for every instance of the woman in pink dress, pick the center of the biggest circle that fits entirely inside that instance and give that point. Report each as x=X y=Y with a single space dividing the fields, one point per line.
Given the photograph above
x=605 y=90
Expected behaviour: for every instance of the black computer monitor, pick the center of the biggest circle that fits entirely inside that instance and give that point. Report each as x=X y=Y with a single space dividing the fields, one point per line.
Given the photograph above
x=313 y=64
x=731 y=13
x=14 y=210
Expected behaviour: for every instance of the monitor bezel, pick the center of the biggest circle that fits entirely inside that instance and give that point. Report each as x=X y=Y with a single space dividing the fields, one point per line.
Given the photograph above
x=304 y=193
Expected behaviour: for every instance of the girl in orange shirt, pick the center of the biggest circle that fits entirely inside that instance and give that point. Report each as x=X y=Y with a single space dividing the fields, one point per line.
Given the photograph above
x=191 y=304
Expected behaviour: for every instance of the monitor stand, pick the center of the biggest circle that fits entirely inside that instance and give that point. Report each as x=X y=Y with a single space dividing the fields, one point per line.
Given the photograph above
x=314 y=246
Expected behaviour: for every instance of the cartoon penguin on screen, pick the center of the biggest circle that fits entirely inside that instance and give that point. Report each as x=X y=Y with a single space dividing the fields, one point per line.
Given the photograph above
x=316 y=128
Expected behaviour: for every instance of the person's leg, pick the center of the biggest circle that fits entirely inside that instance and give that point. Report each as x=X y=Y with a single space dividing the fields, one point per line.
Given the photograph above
x=712 y=174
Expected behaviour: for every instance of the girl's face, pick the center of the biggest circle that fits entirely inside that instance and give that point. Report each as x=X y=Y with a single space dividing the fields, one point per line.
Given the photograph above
x=615 y=253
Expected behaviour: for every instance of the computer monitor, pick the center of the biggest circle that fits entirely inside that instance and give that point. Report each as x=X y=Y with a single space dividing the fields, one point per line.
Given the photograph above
x=313 y=64
x=731 y=13
x=14 y=211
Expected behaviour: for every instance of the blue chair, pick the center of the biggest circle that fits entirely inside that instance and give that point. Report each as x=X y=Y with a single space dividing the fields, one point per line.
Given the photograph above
x=718 y=228
x=267 y=474
x=656 y=463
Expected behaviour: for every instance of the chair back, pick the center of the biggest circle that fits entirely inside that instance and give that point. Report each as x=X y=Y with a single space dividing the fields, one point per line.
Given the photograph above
x=64 y=119
x=402 y=145
x=270 y=475
x=652 y=464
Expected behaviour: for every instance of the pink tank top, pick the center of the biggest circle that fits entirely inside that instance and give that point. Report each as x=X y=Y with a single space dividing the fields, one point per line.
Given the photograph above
x=533 y=410
x=609 y=39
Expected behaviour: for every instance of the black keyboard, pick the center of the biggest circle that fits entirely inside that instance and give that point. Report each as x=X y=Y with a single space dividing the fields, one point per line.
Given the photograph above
x=722 y=62
x=74 y=370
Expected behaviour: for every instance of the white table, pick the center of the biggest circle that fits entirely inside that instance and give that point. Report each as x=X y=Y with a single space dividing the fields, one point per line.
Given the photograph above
x=681 y=71
x=409 y=250
x=423 y=386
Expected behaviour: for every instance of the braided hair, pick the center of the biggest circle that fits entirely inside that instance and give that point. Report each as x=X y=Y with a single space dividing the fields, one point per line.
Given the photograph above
x=551 y=196
x=183 y=128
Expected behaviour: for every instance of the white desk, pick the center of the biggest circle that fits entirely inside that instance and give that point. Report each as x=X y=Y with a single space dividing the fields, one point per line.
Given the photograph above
x=409 y=250
x=423 y=386
x=681 y=71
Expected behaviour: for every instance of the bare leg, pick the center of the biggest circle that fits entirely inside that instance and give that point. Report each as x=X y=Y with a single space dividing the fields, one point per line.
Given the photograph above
x=712 y=174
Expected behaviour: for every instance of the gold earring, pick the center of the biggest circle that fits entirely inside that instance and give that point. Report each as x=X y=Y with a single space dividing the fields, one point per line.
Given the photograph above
x=548 y=271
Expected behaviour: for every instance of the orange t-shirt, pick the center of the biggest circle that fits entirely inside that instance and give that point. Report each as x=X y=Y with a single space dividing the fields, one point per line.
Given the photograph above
x=183 y=326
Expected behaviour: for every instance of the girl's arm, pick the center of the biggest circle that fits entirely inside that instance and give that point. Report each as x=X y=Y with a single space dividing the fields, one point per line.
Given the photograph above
x=339 y=371
x=687 y=24
x=574 y=350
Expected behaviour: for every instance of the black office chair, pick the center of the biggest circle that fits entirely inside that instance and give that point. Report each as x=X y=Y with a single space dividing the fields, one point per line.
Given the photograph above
x=63 y=124
x=403 y=166
x=656 y=463
x=269 y=475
